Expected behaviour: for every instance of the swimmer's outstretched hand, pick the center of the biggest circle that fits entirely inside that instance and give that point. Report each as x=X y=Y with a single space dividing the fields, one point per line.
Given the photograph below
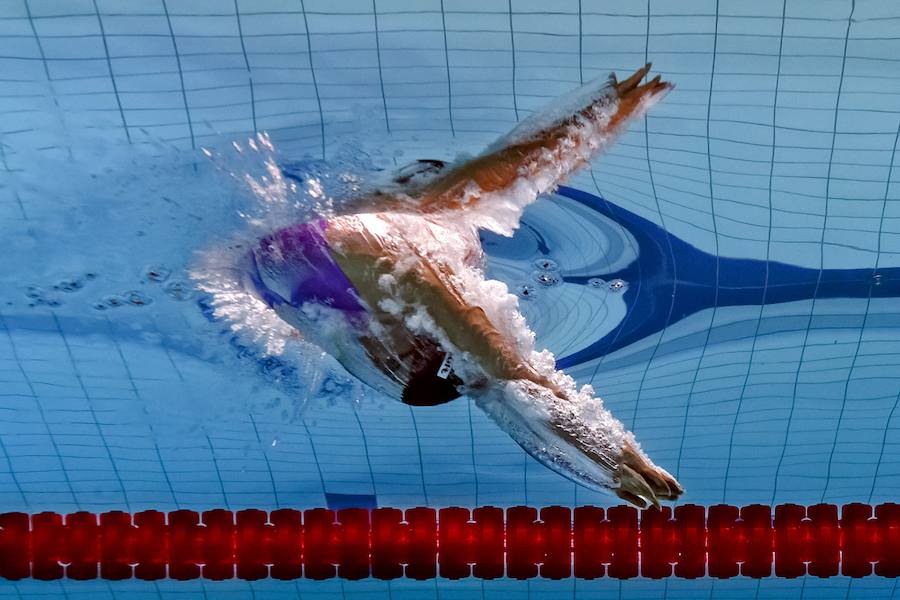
x=573 y=434
x=630 y=94
x=642 y=483
x=543 y=149
x=549 y=145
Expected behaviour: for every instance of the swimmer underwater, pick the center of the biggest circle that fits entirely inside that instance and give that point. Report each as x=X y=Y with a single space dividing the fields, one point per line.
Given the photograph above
x=394 y=289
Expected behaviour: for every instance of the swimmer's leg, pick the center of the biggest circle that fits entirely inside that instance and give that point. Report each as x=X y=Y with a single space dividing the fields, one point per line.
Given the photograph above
x=365 y=258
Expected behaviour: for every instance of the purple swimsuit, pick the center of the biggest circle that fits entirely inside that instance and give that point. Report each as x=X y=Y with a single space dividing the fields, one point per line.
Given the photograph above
x=293 y=266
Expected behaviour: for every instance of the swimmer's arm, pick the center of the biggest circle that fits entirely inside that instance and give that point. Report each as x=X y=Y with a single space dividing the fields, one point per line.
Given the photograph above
x=500 y=168
x=468 y=327
x=364 y=258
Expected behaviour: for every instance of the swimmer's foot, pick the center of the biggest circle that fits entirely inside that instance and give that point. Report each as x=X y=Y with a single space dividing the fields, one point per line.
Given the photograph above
x=642 y=483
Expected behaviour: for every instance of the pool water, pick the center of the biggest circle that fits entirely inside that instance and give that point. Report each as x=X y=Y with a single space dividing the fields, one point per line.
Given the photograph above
x=726 y=276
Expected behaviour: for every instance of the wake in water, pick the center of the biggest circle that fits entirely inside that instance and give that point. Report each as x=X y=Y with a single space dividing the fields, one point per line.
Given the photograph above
x=390 y=282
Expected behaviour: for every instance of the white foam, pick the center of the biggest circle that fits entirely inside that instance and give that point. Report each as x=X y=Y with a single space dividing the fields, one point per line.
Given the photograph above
x=595 y=91
x=220 y=272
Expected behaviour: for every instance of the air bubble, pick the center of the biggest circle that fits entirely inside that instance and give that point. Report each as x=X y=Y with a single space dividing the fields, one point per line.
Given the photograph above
x=100 y=306
x=136 y=298
x=69 y=285
x=90 y=276
x=596 y=282
x=618 y=286
x=547 y=278
x=51 y=302
x=545 y=264
x=527 y=291
x=113 y=301
x=179 y=290
x=156 y=273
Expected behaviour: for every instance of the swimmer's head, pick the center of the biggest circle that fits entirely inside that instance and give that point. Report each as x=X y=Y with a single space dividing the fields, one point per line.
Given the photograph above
x=578 y=439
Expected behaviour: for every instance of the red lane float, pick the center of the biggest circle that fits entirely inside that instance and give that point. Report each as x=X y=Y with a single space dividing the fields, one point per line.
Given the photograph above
x=454 y=543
